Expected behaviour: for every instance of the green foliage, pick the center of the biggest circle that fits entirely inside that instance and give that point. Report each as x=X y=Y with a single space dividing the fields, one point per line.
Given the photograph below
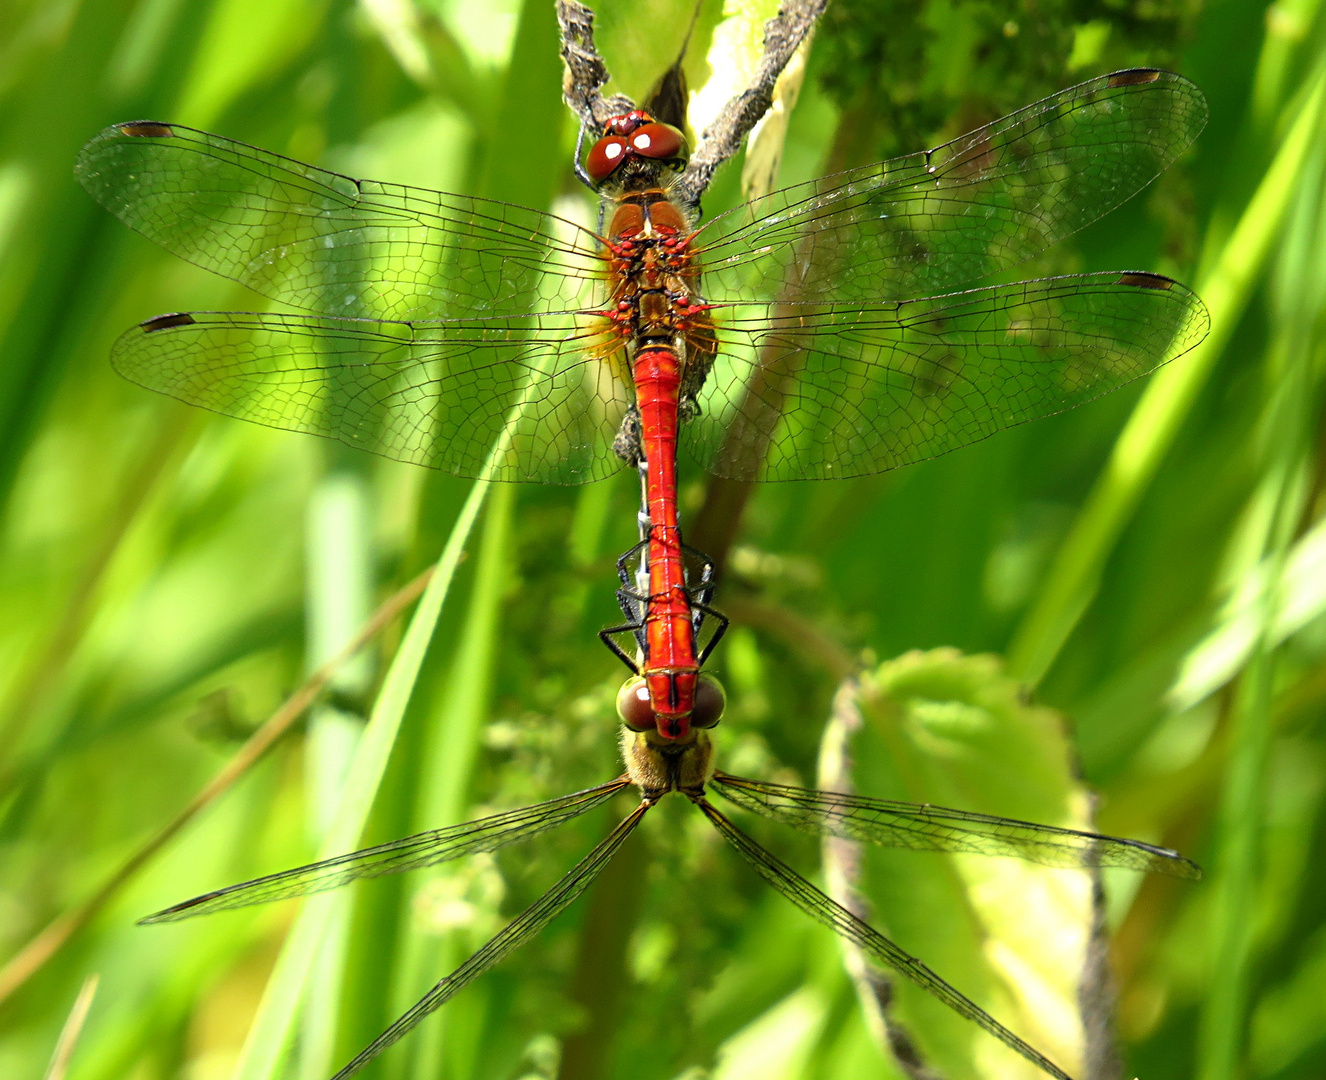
x=943 y=728
x=1149 y=562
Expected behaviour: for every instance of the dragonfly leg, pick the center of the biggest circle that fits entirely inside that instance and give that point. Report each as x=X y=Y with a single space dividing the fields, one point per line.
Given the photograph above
x=578 y=166
x=723 y=623
x=606 y=636
x=706 y=563
x=704 y=591
x=635 y=606
x=626 y=574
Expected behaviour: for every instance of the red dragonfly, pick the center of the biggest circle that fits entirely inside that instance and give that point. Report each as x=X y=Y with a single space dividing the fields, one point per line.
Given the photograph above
x=775 y=341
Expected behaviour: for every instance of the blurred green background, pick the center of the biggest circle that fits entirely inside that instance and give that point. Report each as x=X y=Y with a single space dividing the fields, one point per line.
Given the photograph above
x=1152 y=566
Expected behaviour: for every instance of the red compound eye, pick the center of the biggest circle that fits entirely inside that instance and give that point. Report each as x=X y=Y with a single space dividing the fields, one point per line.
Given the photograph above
x=634 y=707
x=709 y=701
x=606 y=154
x=658 y=141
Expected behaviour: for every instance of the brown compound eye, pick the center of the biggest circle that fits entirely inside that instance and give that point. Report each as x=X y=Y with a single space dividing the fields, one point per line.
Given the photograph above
x=604 y=157
x=710 y=701
x=634 y=707
x=658 y=141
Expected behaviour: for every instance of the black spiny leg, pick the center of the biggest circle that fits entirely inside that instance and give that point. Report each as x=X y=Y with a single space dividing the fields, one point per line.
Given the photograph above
x=703 y=592
x=723 y=621
x=623 y=572
x=699 y=596
x=630 y=601
x=606 y=636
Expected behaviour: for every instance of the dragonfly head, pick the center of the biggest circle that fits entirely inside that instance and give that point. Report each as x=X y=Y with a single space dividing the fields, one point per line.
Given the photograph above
x=634 y=152
x=671 y=703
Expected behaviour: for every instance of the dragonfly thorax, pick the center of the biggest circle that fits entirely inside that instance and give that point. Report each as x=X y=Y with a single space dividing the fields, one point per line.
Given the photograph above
x=651 y=271
x=656 y=766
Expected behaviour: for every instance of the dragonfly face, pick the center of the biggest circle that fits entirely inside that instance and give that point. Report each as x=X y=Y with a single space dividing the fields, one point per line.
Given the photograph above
x=671 y=702
x=635 y=152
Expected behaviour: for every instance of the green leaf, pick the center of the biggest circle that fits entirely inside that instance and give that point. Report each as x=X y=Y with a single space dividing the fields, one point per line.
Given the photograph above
x=954 y=730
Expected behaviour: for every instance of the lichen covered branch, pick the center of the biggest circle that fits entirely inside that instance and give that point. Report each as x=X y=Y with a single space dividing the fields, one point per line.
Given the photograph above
x=783 y=35
x=586 y=74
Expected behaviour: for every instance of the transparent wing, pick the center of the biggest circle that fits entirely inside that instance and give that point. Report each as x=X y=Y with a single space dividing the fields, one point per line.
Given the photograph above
x=935 y=828
x=422 y=849
x=325 y=243
x=548 y=391
x=516 y=933
x=838 y=919
x=929 y=222
x=816 y=391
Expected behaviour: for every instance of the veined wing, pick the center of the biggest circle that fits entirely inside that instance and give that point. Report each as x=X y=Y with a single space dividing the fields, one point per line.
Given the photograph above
x=515 y=934
x=933 y=221
x=422 y=849
x=326 y=243
x=546 y=390
x=841 y=921
x=815 y=391
x=935 y=828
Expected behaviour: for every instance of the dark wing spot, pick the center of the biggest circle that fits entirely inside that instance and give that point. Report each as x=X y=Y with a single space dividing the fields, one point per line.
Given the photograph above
x=1146 y=281
x=165 y=322
x=147 y=129
x=1134 y=77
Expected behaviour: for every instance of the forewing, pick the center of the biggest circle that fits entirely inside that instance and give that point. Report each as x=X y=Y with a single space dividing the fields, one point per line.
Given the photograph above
x=422 y=849
x=893 y=824
x=930 y=222
x=329 y=244
x=805 y=391
x=511 y=399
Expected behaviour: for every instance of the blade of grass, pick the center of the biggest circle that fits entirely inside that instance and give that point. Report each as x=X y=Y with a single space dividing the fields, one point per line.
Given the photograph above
x=269 y=1037
x=29 y=691
x=1243 y=806
x=33 y=956
x=1150 y=432
x=73 y=1026
x=589 y=525
x=444 y=786
x=340 y=582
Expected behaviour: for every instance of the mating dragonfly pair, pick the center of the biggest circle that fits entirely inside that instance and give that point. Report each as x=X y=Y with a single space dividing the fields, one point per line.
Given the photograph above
x=781 y=340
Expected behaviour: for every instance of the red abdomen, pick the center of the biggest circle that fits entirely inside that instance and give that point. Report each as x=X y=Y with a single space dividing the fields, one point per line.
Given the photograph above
x=670 y=666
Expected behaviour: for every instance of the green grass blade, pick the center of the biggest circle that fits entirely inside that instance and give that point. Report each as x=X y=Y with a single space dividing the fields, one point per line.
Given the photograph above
x=340 y=583
x=444 y=787
x=1168 y=400
x=1243 y=810
x=273 y=1027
